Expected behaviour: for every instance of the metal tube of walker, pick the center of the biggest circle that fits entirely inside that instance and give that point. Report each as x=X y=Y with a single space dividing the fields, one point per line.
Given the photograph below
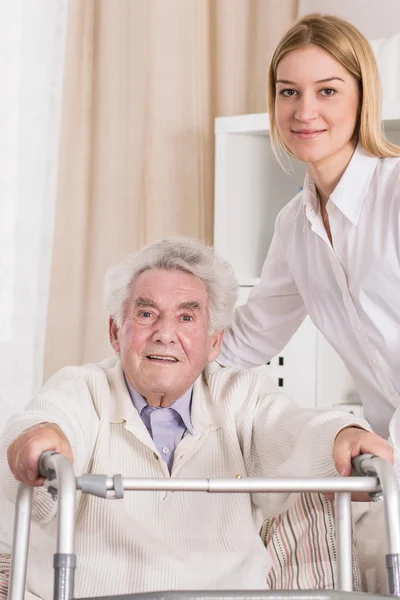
x=250 y=485
x=19 y=553
x=344 y=541
x=372 y=465
x=56 y=465
x=65 y=559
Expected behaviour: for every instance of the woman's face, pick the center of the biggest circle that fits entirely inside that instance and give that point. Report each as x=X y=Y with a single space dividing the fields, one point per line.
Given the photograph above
x=316 y=106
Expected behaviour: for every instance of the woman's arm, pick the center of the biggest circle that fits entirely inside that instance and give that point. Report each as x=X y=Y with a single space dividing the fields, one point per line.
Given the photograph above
x=272 y=314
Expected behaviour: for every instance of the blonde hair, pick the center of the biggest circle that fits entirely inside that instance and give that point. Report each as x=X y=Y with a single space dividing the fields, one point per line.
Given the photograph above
x=346 y=44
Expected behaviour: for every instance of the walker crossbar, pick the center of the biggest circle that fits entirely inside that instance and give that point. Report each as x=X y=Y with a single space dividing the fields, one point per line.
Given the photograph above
x=249 y=595
x=372 y=475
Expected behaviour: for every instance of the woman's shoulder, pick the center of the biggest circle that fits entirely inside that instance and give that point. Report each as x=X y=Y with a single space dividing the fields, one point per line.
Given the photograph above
x=386 y=180
x=389 y=167
x=291 y=213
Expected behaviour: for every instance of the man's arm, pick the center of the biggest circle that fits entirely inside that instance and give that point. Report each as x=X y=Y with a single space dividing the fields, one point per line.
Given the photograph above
x=62 y=416
x=291 y=442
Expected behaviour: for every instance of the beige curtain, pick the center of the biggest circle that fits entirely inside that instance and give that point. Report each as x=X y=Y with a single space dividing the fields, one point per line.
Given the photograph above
x=144 y=81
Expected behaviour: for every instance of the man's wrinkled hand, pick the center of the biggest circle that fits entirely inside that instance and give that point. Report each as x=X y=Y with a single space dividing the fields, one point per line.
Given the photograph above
x=24 y=453
x=352 y=441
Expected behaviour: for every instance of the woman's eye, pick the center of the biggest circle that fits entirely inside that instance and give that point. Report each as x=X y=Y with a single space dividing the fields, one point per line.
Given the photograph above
x=328 y=92
x=288 y=93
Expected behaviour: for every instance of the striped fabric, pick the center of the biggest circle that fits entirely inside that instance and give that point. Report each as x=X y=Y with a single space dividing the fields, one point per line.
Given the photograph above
x=302 y=544
x=4 y=574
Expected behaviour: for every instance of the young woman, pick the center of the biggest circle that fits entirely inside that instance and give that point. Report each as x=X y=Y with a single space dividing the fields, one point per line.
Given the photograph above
x=335 y=254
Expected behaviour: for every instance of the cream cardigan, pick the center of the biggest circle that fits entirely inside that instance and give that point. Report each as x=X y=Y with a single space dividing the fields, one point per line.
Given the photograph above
x=182 y=540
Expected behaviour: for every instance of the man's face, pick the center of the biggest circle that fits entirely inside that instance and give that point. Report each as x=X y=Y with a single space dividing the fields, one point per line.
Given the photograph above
x=164 y=341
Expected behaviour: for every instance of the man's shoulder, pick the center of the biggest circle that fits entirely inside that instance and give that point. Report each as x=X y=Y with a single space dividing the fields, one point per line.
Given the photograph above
x=238 y=381
x=73 y=375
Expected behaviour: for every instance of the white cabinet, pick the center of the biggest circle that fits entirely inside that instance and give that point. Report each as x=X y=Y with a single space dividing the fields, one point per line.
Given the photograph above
x=250 y=189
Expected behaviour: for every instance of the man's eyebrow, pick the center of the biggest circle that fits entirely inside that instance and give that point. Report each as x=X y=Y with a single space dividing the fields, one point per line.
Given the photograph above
x=326 y=80
x=190 y=305
x=141 y=301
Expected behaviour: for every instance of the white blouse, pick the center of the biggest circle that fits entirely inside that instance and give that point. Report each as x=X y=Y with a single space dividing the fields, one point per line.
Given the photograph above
x=350 y=290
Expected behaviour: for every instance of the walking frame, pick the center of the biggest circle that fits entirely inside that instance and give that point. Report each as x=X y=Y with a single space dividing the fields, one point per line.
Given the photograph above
x=370 y=474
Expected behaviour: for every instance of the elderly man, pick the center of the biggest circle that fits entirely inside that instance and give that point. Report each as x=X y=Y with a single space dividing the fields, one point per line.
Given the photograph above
x=161 y=407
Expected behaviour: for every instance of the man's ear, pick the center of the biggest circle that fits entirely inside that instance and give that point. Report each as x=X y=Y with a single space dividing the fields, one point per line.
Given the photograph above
x=113 y=334
x=216 y=343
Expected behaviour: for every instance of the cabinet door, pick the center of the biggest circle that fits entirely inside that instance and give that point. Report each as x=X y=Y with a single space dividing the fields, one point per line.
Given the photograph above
x=250 y=190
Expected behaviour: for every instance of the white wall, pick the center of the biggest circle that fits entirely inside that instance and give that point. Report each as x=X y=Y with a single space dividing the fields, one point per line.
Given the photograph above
x=32 y=46
x=375 y=18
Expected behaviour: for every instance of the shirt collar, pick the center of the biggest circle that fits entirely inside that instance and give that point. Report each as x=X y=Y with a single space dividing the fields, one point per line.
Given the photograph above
x=350 y=192
x=309 y=195
x=182 y=406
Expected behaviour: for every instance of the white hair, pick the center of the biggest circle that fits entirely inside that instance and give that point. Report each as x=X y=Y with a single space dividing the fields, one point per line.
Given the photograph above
x=182 y=254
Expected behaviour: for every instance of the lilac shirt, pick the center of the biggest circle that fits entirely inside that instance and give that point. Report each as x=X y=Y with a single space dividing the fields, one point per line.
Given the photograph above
x=166 y=426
